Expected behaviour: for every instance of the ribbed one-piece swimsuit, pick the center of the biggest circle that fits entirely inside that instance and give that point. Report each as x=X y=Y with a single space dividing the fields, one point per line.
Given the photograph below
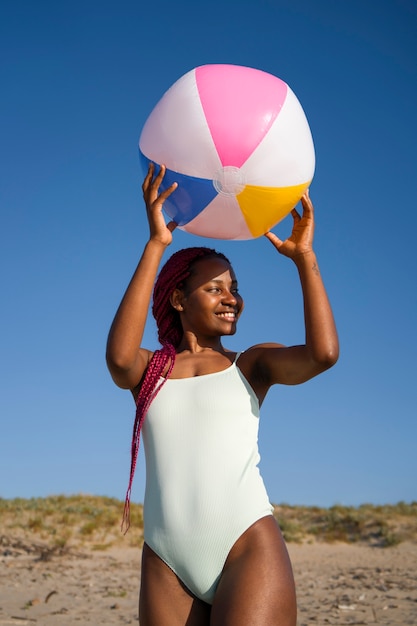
x=203 y=486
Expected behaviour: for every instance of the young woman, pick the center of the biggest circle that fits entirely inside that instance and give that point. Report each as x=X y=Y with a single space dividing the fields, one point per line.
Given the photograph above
x=213 y=553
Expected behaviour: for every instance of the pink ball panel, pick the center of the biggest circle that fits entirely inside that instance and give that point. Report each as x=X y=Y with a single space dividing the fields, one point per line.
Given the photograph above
x=240 y=105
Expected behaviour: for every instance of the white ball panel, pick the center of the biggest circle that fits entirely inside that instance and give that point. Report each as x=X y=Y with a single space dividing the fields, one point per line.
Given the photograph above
x=176 y=132
x=285 y=157
x=221 y=219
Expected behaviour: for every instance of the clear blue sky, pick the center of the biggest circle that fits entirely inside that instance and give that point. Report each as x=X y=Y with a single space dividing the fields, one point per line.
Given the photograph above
x=78 y=80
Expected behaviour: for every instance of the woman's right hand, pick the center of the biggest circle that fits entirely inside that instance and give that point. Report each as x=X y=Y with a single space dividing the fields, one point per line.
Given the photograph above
x=159 y=230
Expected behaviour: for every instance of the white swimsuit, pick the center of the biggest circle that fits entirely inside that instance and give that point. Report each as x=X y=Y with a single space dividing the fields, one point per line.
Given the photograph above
x=203 y=486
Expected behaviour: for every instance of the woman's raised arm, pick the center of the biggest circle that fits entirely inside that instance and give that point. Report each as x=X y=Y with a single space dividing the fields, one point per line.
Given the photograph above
x=296 y=364
x=126 y=359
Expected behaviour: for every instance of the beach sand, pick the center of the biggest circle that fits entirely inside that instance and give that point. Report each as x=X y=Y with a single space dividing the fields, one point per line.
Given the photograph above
x=336 y=584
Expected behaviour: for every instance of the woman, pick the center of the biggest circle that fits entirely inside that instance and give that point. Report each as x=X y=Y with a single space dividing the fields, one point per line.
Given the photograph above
x=213 y=553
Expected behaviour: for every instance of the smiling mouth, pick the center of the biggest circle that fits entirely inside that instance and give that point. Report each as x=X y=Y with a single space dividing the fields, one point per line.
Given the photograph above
x=229 y=316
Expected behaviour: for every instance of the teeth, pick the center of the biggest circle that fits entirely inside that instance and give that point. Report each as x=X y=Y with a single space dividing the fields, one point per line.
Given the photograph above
x=228 y=315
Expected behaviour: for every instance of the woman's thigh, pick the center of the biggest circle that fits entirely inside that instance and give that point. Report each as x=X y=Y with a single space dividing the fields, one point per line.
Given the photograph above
x=164 y=600
x=257 y=585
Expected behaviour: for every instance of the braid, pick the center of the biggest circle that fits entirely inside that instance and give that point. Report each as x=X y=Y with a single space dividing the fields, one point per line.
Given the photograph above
x=175 y=271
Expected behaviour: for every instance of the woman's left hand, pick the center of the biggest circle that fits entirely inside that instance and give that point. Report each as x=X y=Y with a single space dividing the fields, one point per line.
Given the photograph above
x=300 y=242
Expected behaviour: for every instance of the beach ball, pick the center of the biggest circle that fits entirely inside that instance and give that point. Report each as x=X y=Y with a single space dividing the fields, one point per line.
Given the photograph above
x=237 y=142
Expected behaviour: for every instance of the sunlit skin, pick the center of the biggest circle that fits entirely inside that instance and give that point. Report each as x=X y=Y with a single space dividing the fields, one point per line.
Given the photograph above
x=257 y=586
x=209 y=305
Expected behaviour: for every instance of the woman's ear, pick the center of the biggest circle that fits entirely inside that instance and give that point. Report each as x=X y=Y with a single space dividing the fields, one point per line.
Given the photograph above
x=176 y=299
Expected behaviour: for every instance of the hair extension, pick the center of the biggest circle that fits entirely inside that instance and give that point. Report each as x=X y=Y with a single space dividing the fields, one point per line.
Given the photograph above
x=172 y=275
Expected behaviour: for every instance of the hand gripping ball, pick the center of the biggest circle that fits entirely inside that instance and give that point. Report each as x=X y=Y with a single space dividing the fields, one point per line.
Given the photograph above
x=237 y=142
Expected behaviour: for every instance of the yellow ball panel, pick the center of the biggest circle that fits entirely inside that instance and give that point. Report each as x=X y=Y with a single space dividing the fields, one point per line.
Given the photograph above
x=263 y=207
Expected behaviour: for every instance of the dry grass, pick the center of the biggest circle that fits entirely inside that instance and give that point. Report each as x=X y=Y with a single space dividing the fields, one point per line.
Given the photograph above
x=70 y=522
x=59 y=524
x=376 y=525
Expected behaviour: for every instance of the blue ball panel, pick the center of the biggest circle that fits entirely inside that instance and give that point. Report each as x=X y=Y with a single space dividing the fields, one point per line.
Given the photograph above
x=189 y=199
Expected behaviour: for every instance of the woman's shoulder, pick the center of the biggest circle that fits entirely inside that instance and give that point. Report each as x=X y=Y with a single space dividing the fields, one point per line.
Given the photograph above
x=252 y=359
x=256 y=350
x=253 y=363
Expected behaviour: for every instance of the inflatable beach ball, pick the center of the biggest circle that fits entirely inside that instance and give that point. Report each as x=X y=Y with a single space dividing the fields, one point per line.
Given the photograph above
x=237 y=142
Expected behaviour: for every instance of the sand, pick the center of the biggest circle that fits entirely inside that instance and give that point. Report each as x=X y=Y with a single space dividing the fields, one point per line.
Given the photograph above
x=336 y=584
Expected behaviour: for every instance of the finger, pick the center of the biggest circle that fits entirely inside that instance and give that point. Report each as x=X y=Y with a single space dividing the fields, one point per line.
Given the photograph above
x=296 y=215
x=172 y=226
x=148 y=177
x=164 y=195
x=306 y=201
x=160 y=175
x=276 y=241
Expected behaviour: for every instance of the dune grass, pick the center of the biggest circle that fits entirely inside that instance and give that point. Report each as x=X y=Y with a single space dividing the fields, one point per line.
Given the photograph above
x=378 y=525
x=62 y=523
x=71 y=521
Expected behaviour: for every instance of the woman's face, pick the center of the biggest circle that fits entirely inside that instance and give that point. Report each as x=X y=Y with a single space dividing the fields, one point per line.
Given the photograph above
x=209 y=303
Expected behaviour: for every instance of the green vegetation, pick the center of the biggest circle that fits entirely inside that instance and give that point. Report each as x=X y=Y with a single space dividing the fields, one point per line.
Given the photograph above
x=71 y=521
x=62 y=523
x=384 y=525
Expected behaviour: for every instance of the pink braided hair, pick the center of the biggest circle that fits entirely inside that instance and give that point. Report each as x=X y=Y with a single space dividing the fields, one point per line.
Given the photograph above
x=172 y=275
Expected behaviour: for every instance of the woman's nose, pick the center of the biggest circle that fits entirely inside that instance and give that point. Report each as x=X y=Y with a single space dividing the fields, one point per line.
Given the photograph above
x=230 y=298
